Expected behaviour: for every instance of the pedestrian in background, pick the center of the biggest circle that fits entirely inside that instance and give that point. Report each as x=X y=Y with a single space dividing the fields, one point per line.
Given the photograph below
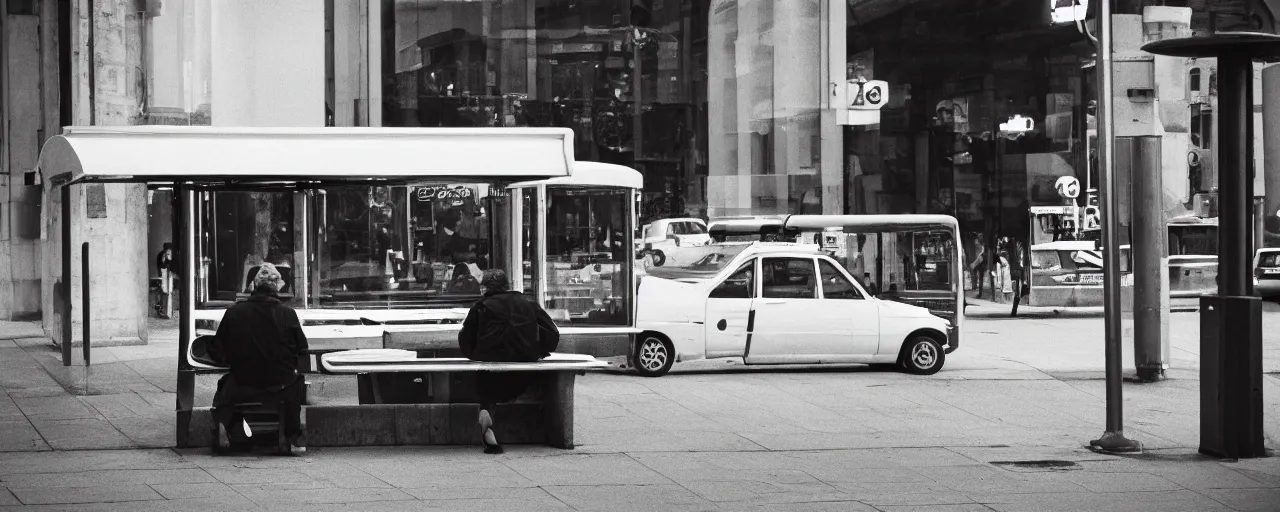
x=1001 y=278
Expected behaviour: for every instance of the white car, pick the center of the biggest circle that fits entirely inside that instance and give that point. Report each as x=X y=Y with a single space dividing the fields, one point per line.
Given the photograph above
x=1266 y=272
x=807 y=309
x=675 y=241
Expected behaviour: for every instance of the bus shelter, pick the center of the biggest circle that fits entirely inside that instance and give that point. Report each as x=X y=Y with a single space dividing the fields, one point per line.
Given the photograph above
x=374 y=229
x=914 y=259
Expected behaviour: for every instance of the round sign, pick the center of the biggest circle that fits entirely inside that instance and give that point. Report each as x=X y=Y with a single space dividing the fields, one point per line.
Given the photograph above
x=873 y=95
x=1068 y=187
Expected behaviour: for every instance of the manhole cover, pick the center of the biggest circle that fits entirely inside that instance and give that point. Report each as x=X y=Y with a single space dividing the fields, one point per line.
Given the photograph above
x=1038 y=465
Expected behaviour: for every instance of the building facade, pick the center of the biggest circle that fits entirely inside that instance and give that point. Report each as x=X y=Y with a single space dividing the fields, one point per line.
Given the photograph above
x=727 y=107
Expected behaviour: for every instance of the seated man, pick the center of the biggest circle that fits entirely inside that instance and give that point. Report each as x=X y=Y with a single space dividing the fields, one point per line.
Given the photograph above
x=504 y=326
x=261 y=339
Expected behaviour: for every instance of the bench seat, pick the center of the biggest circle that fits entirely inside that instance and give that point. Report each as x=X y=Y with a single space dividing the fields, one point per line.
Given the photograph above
x=398 y=384
x=395 y=360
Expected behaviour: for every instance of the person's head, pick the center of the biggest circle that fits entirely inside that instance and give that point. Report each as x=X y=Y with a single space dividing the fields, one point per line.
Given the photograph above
x=494 y=281
x=268 y=279
x=167 y=248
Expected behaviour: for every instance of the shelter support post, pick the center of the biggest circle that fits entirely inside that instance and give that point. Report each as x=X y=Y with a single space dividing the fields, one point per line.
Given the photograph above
x=64 y=288
x=1231 y=325
x=1113 y=439
x=1231 y=404
x=184 y=235
x=1150 y=261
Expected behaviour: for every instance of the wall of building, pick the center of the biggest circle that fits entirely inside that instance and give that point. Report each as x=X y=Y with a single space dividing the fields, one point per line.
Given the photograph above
x=268 y=63
x=112 y=218
x=768 y=75
x=29 y=110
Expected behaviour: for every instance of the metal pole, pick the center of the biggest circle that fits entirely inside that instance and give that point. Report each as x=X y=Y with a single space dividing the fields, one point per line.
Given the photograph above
x=1235 y=79
x=1113 y=438
x=84 y=290
x=66 y=275
x=184 y=254
x=637 y=122
x=1150 y=260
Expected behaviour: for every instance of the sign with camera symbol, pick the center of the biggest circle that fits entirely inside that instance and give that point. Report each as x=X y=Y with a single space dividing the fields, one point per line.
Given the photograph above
x=868 y=94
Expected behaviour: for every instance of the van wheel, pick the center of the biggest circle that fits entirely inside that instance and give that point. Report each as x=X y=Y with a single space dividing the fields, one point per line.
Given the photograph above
x=922 y=355
x=659 y=258
x=654 y=355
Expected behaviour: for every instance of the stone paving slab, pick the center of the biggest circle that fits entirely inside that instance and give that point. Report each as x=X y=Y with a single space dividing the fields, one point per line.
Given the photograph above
x=77 y=495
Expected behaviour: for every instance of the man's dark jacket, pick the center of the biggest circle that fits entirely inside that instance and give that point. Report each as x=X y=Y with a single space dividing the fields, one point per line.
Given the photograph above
x=261 y=339
x=507 y=327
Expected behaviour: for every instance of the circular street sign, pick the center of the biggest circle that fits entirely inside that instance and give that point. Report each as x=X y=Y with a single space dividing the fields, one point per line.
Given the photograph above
x=1068 y=187
x=873 y=95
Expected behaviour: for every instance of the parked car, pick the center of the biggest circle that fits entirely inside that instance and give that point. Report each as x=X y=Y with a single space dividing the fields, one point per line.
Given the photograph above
x=675 y=241
x=1266 y=273
x=804 y=309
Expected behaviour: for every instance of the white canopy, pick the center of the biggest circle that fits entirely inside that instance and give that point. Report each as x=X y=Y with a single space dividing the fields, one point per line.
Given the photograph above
x=213 y=154
x=598 y=174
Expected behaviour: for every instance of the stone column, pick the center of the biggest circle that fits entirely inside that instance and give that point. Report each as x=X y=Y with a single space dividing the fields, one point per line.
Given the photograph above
x=112 y=218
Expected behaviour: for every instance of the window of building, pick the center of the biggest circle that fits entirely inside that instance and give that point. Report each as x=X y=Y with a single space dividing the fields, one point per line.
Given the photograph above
x=625 y=86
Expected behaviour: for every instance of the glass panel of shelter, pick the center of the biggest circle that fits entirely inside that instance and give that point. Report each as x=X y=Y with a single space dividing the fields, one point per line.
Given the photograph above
x=409 y=246
x=421 y=246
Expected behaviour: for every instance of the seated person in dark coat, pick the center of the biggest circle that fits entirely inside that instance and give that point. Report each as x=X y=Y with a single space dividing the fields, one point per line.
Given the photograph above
x=504 y=326
x=261 y=339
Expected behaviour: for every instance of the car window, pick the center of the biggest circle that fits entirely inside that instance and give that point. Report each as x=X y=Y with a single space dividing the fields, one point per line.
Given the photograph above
x=1269 y=259
x=740 y=285
x=788 y=278
x=835 y=285
x=686 y=228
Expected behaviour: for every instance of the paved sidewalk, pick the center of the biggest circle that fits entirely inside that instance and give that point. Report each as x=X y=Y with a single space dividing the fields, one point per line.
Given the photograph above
x=1001 y=428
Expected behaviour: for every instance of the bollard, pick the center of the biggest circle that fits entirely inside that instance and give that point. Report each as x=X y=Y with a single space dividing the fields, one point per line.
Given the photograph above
x=1150 y=261
x=65 y=223
x=84 y=287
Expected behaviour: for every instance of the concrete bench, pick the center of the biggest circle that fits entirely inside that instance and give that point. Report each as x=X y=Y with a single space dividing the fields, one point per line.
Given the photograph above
x=409 y=400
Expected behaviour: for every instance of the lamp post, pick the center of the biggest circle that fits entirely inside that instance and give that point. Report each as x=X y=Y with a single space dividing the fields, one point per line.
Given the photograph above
x=1112 y=439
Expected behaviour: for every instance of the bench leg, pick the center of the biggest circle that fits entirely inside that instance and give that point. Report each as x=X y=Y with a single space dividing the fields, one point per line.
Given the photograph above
x=559 y=410
x=283 y=446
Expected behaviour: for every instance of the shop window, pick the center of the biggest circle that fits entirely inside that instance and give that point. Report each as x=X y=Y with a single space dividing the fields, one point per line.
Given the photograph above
x=589 y=256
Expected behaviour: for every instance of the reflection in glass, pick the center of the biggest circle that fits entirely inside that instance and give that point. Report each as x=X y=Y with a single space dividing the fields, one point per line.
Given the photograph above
x=418 y=246
x=589 y=256
x=242 y=231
